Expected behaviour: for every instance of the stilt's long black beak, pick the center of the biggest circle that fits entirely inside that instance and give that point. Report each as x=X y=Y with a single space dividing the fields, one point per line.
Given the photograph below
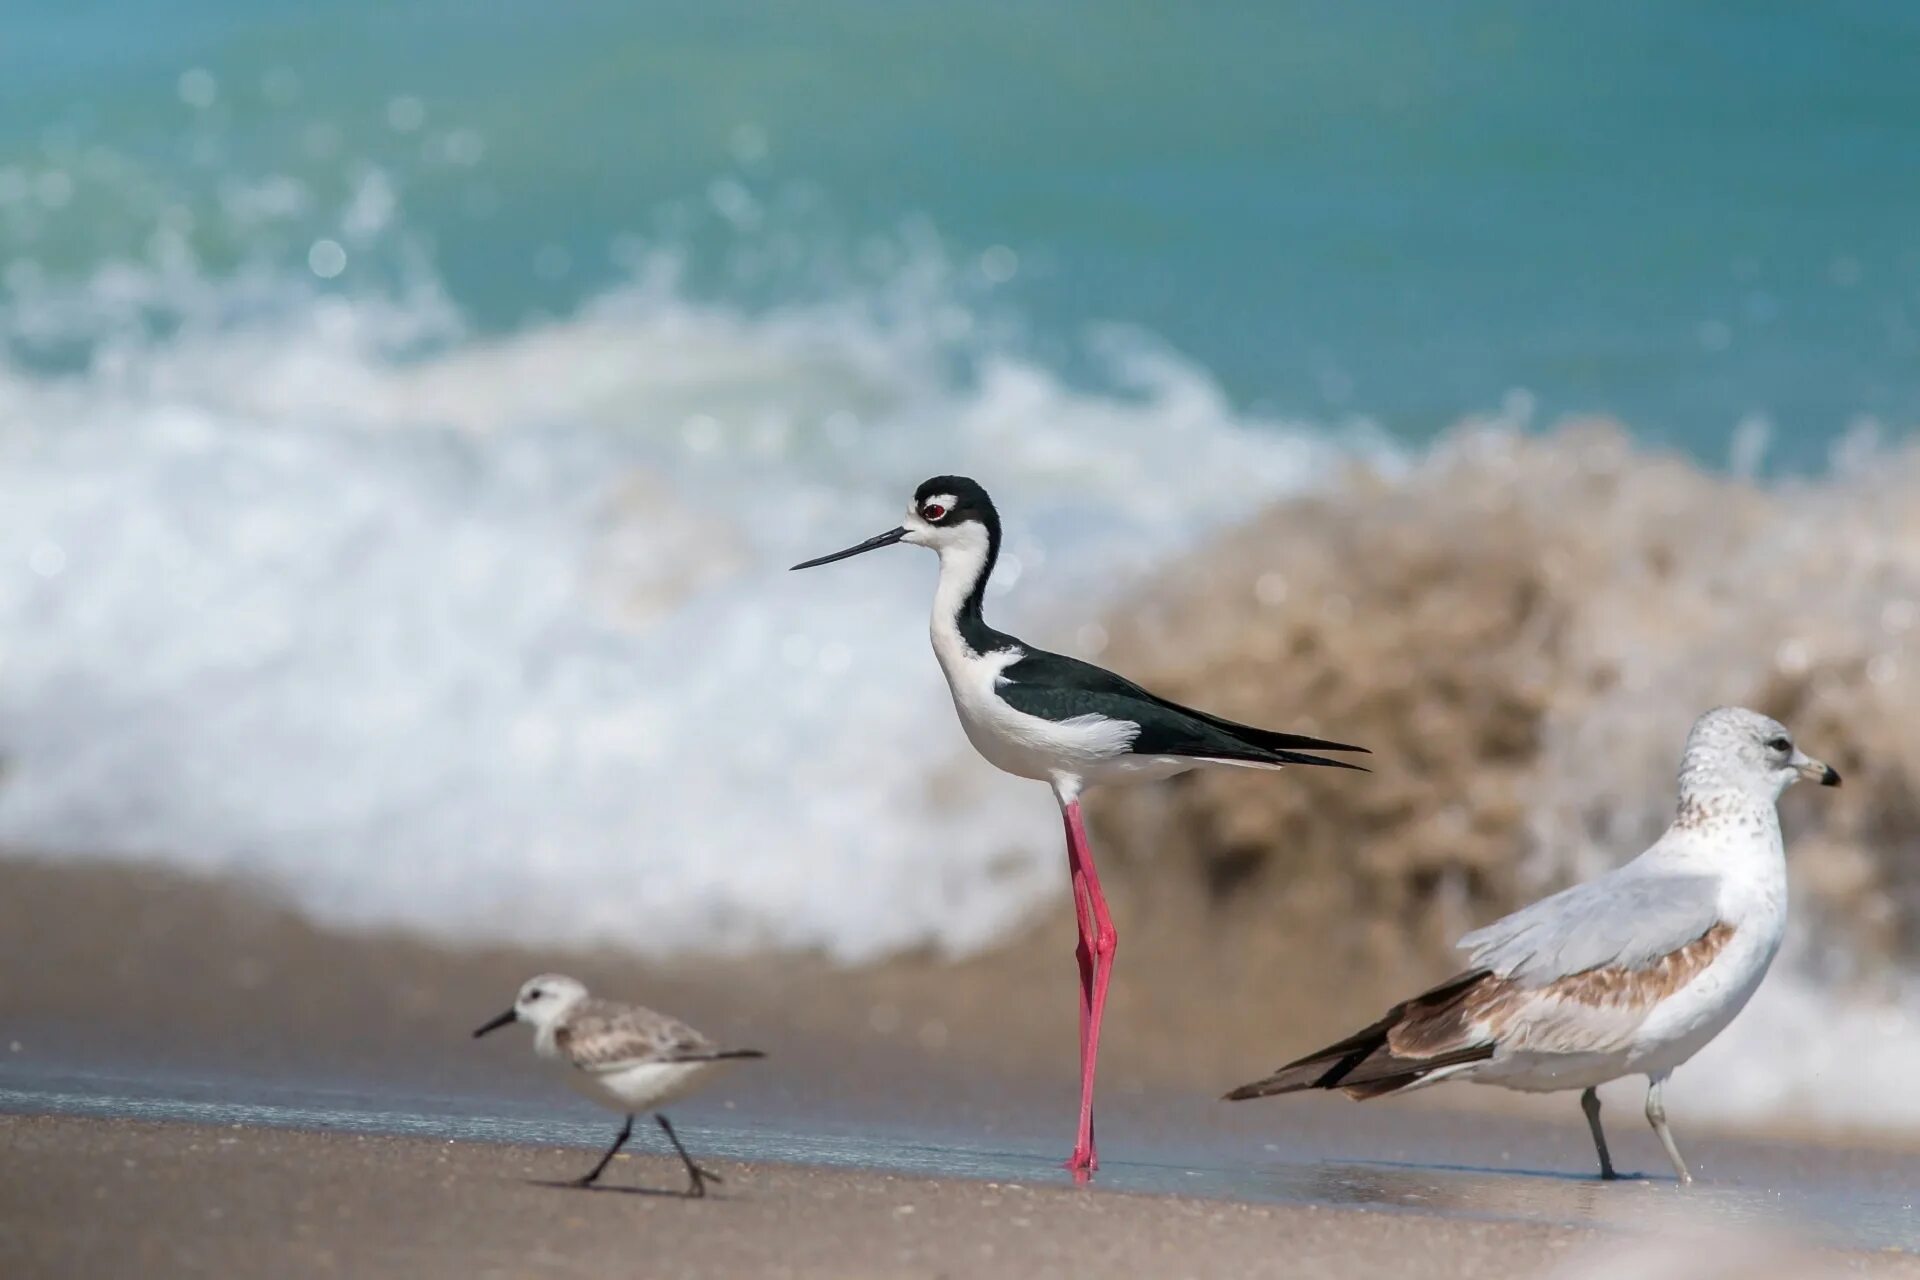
x=886 y=539
x=495 y=1025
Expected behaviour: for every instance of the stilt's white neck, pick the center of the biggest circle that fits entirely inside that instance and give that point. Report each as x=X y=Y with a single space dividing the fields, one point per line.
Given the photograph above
x=966 y=560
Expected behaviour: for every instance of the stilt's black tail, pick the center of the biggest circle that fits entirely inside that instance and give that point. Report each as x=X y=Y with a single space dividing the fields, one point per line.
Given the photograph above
x=1273 y=740
x=1296 y=757
x=1236 y=741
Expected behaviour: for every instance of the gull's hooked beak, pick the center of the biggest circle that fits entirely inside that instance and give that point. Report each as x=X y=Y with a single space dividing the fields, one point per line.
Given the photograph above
x=886 y=539
x=1814 y=771
x=496 y=1024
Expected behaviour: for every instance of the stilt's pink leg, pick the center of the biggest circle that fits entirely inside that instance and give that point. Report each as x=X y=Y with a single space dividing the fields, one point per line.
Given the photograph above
x=1083 y=955
x=1083 y=949
x=1089 y=1049
x=1102 y=941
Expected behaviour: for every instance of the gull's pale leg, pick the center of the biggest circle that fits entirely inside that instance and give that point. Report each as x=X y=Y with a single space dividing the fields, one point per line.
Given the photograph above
x=1657 y=1117
x=1104 y=942
x=1590 y=1103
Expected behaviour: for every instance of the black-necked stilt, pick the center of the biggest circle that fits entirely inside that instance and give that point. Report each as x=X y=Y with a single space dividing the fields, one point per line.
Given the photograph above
x=1064 y=722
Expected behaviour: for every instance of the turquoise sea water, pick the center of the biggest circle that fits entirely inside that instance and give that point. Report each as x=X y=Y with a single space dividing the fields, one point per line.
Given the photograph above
x=1684 y=216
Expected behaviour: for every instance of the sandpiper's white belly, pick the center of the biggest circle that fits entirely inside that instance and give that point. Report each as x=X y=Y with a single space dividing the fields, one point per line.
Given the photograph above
x=643 y=1086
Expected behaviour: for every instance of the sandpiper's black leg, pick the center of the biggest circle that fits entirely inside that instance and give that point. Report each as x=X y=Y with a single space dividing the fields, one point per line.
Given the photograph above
x=626 y=1131
x=1590 y=1103
x=697 y=1178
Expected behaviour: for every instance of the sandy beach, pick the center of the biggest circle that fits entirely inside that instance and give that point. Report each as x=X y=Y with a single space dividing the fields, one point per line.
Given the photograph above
x=212 y=1086
x=177 y=1200
x=87 y=1197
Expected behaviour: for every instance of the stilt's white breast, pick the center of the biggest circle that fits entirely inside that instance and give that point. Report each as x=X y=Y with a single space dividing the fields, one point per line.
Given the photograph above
x=1026 y=746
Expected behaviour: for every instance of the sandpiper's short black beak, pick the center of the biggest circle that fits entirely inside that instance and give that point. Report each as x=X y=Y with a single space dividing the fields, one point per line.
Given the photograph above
x=495 y=1025
x=886 y=539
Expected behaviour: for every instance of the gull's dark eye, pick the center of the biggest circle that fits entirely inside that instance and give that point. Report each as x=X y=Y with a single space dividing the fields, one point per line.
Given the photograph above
x=535 y=994
x=933 y=511
x=1779 y=744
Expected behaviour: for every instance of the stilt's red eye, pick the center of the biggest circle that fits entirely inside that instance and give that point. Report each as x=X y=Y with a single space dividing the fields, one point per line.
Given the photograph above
x=933 y=511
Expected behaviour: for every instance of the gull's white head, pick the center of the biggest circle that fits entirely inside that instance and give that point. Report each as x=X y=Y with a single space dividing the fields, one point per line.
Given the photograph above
x=951 y=514
x=542 y=1002
x=1732 y=750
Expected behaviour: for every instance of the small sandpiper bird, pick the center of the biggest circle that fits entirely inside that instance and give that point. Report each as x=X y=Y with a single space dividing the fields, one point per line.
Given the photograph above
x=621 y=1056
x=1061 y=721
x=1629 y=974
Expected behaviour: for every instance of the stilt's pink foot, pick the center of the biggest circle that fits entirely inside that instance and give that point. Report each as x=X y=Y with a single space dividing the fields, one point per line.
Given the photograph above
x=1081 y=1164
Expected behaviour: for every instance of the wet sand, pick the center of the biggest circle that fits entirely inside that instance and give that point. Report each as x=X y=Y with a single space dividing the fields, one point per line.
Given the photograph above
x=96 y=1197
x=121 y=1198
x=203 y=1083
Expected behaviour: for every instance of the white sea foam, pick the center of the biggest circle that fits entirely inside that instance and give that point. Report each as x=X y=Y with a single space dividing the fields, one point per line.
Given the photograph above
x=438 y=640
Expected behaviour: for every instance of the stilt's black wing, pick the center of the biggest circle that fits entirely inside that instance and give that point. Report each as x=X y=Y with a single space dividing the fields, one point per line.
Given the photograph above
x=1055 y=687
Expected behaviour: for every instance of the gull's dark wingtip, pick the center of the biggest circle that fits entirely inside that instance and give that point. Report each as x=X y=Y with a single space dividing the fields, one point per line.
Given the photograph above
x=1263 y=1088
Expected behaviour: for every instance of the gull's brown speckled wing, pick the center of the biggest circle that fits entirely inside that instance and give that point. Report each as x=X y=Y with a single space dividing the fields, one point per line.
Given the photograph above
x=1472 y=1017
